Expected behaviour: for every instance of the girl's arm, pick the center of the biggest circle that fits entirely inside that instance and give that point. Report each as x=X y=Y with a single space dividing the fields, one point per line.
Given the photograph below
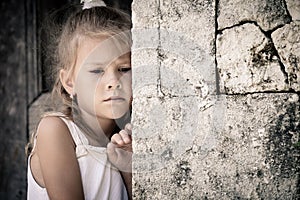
x=127 y=178
x=60 y=169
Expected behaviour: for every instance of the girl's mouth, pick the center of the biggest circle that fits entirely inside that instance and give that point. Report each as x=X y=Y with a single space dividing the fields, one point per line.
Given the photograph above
x=114 y=99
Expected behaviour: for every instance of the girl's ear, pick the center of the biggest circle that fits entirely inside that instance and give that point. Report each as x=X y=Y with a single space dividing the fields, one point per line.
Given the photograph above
x=66 y=81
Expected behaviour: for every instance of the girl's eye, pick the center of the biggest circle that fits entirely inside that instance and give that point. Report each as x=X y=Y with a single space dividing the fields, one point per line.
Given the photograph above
x=97 y=71
x=124 y=69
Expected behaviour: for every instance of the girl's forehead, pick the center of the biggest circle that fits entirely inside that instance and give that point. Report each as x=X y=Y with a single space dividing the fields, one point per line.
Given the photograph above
x=103 y=49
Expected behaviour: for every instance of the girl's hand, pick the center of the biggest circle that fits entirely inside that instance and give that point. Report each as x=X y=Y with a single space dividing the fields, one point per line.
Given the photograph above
x=119 y=149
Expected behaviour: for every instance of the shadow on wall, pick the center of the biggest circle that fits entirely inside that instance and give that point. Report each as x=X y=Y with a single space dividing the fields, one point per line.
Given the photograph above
x=283 y=146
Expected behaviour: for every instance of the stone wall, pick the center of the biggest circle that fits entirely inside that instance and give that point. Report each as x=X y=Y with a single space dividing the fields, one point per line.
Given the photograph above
x=216 y=107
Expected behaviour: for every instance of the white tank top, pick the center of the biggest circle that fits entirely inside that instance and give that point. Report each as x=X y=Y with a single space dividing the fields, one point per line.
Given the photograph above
x=100 y=179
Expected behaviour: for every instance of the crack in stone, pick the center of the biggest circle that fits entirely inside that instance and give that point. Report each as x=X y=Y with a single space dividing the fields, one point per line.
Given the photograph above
x=275 y=51
x=237 y=25
x=268 y=36
x=215 y=47
x=287 y=11
x=290 y=91
x=269 y=32
x=159 y=53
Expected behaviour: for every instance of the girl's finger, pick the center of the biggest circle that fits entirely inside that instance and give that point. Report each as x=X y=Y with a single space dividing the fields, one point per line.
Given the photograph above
x=128 y=128
x=125 y=136
x=117 y=139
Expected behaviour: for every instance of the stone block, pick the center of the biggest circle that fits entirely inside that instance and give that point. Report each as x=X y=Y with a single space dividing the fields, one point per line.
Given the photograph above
x=158 y=52
x=241 y=147
x=294 y=8
x=181 y=76
x=145 y=72
x=145 y=14
x=287 y=43
x=247 y=61
x=165 y=128
x=268 y=14
x=190 y=22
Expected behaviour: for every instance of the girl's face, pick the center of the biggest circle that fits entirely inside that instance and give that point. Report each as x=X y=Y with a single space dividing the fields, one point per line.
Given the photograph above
x=103 y=77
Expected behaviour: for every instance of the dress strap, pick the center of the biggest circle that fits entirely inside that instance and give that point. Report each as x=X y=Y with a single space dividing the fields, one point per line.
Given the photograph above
x=76 y=133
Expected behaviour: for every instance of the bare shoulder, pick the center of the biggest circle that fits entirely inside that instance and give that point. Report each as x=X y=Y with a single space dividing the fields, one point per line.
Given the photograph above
x=56 y=160
x=53 y=130
x=51 y=122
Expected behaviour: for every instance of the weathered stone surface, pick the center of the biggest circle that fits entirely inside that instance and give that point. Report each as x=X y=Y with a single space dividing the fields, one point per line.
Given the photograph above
x=181 y=77
x=173 y=44
x=246 y=155
x=179 y=17
x=145 y=14
x=268 y=14
x=166 y=123
x=247 y=61
x=191 y=144
x=294 y=8
x=287 y=43
x=145 y=74
x=185 y=53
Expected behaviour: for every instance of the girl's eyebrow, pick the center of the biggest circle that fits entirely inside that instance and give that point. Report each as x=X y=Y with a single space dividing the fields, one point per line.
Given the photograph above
x=123 y=61
x=95 y=64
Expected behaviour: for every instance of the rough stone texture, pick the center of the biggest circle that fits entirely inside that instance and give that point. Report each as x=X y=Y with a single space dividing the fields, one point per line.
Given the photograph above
x=268 y=14
x=207 y=160
x=247 y=61
x=287 y=43
x=294 y=8
x=190 y=143
x=145 y=14
x=184 y=52
x=173 y=79
x=160 y=44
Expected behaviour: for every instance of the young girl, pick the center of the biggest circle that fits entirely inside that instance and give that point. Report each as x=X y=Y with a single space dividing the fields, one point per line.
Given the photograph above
x=81 y=153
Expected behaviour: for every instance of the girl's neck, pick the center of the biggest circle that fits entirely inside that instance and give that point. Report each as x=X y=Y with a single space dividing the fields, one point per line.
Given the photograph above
x=99 y=130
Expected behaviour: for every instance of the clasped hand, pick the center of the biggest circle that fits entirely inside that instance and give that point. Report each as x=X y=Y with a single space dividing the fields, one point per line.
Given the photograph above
x=119 y=149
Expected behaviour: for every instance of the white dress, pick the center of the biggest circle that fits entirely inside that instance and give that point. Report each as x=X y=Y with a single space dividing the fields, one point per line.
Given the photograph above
x=100 y=179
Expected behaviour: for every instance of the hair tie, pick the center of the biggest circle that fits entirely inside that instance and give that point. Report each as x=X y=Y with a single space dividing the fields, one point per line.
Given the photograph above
x=87 y=4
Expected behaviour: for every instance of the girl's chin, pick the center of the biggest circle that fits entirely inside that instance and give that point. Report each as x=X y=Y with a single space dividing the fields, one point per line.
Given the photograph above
x=114 y=116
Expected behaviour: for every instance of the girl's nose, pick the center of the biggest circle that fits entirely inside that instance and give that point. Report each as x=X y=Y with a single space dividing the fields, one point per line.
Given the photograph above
x=113 y=81
x=114 y=86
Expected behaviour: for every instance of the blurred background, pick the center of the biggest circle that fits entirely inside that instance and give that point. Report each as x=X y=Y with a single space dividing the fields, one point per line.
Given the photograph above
x=23 y=81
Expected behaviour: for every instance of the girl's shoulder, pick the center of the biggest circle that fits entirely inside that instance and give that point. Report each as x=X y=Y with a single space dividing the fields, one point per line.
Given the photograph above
x=53 y=129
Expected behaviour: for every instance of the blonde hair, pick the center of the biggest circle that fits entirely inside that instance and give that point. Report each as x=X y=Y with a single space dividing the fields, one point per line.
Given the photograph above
x=91 y=23
x=65 y=38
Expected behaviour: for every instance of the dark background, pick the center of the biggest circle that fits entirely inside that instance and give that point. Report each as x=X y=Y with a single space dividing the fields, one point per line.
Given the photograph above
x=23 y=78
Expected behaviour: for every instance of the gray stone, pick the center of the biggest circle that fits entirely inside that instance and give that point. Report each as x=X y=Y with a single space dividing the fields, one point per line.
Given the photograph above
x=287 y=43
x=250 y=152
x=185 y=18
x=189 y=143
x=294 y=8
x=145 y=14
x=247 y=61
x=144 y=74
x=185 y=52
x=156 y=50
x=268 y=14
